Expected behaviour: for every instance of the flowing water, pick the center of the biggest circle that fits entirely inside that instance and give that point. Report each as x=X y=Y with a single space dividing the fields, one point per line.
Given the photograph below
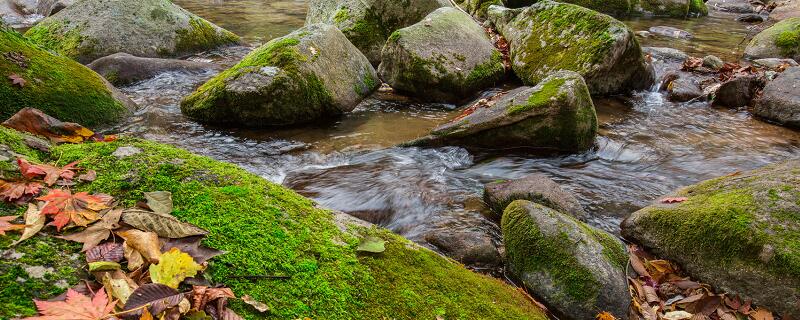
x=648 y=146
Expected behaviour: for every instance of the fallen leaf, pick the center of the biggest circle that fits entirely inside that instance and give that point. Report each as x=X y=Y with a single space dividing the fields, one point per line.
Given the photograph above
x=157 y=297
x=6 y=225
x=17 y=80
x=202 y=295
x=103 y=266
x=674 y=199
x=51 y=173
x=80 y=208
x=75 y=307
x=34 y=222
x=89 y=176
x=198 y=315
x=117 y=288
x=165 y=225
x=677 y=315
x=19 y=192
x=191 y=246
x=108 y=251
x=146 y=243
x=372 y=245
x=636 y=262
x=605 y=316
x=173 y=267
x=94 y=234
x=159 y=201
x=147 y=316
x=262 y=307
x=37 y=122
x=651 y=295
x=761 y=314
x=135 y=259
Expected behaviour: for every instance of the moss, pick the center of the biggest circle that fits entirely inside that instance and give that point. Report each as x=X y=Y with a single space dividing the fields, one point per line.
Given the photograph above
x=530 y=250
x=341 y=15
x=55 y=84
x=487 y=73
x=59 y=38
x=789 y=41
x=547 y=92
x=614 y=7
x=269 y=230
x=367 y=32
x=698 y=7
x=202 y=35
x=395 y=36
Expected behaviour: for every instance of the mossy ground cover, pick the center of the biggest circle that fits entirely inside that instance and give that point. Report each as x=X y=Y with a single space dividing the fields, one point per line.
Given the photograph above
x=268 y=230
x=54 y=84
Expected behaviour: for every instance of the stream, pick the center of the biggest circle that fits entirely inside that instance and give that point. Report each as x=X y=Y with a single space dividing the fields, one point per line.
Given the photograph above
x=647 y=145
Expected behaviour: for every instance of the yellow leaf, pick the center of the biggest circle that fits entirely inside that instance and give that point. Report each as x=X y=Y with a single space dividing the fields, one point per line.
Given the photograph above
x=173 y=267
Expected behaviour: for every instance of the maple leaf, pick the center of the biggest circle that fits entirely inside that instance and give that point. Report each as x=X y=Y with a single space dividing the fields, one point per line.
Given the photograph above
x=674 y=200
x=51 y=173
x=5 y=225
x=37 y=122
x=19 y=192
x=80 y=208
x=173 y=267
x=17 y=80
x=75 y=307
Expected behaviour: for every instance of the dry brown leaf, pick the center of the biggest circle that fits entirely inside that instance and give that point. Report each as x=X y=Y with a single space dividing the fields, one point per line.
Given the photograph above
x=262 y=307
x=135 y=259
x=37 y=122
x=636 y=263
x=94 y=234
x=145 y=243
x=761 y=314
x=651 y=295
x=34 y=222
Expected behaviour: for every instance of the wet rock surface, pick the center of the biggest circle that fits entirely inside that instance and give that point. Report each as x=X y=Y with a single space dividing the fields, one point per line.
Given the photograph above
x=780 y=101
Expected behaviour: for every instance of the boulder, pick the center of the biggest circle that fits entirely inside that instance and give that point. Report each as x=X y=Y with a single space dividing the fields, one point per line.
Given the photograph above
x=670 y=8
x=683 y=89
x=123 y=68
x=737 y=92
x=571 y=267
x=307 y=75
x=600 y=48
x=471 y=240
x=786 y=9
x=55 y=84
x=368 y=23
x=555 y=115
x=478 y=8
x=666 y=54
x=780 y=100
x=713 y=62
x=612 y=7
x=733 y=6
x=91 y=29
x=447 y=57
x=774 y=63
x=782 y=40
x=750 y=18
x=737 y=233
x=536 y=188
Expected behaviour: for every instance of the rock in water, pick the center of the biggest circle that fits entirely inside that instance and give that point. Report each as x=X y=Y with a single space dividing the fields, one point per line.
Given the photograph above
x=737 y=233
x=60 y=87
x=91 y=29
x=734 y=6
x=673 y=8
x=785 y=10
x=550 y=36
x=309 y=74
x=555 y=115
x=670 y=32
x=537 y=188
x=737 y=92
x=368 y=23
x=782 y=40
x=780 y=101
x=613 y=7
x=122 y=68
x=684 y=88
x=446 y=57
x=573 y=268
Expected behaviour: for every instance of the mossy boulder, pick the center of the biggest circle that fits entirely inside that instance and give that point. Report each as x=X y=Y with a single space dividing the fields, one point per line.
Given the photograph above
x=368 y=23
x=573 y=268
x=478 y=8
x=91 y=29
x=782 y=40
x=447 y=57
x=307 y=75
x=671 y=8
x=550 y=36
x=56 y=85
x=557 y=115
x=613 y=7
x=536 y=188
x=780 y=99
x=739 y=233
x=267 y=230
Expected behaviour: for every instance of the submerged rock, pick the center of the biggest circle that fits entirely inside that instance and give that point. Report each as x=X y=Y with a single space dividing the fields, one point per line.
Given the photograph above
x=666 y=54
x=546 y=37
x=573 y=268
x=307 y=75
x=737 y=92
x=734 y=6
x=446 y=57
x=536 y=188
x=780 y=100
x=782 y=40
x=713 y=62
x=56 y=85
x=91 y=29
x=122 y=68
x=368 y=23
x=670 y=32
x=737 y=233
x=684 y=89
x=555 y=115
x=773 y=63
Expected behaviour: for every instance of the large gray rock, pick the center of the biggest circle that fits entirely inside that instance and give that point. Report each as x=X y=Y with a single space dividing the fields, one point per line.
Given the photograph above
x=555 y=115
x=575 y=269
x=737 y=92
x=684 y=88
x=309 y=74
x=470 y=240
x=782 y=40
x=666 y=54
x=446 y=57
x=737 y=233
x=734 y=6
x=672 y=8
x=613 y=7
x=780 y=101
x=537 y=188
x=122 y=68
x=786 y=9
x=368 y=23
x=91 y=29
x=600 y=48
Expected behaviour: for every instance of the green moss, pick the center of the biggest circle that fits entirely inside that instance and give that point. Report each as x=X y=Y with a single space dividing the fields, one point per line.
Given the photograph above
x=59 y=38
x=487 y=73
x=367 y=32
x=548 y=91
x=789 y=41
x=698 y=7
x=341 y=15
x=202 y=35
x=614 y=7
x=395 y=36
x=55 y=84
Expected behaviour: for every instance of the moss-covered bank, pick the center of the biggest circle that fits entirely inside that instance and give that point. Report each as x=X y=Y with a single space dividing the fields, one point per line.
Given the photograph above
x=269 y=230
x=54 y=84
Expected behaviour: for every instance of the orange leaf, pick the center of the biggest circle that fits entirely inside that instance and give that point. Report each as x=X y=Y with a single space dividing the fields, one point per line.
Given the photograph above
x=761 y=314
x=605 y=316
x=674 y=200
x=5 y=225
x=75 y=307
x=51 y=173
x=80 y=208
x=17 y=192
x=37 y=122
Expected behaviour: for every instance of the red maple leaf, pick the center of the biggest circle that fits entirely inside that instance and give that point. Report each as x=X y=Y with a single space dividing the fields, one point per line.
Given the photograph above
x=17 y=80
x=51 y=173
x=76 y=307
x=16 y=192
x=674 y=200
x=80 y=208
x=5 y=225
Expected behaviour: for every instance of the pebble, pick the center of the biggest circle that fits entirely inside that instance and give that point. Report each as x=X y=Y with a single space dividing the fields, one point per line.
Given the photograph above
x=124 y=152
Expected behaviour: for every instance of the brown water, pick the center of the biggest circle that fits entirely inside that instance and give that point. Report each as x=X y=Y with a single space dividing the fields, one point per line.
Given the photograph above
x=648 y=146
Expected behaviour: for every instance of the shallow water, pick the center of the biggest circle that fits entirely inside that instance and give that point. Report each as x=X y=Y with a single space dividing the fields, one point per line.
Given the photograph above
x=647 y=147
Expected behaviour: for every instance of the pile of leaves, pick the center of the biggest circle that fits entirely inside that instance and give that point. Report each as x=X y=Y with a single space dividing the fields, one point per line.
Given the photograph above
x=144 y=262
x=661 y=292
